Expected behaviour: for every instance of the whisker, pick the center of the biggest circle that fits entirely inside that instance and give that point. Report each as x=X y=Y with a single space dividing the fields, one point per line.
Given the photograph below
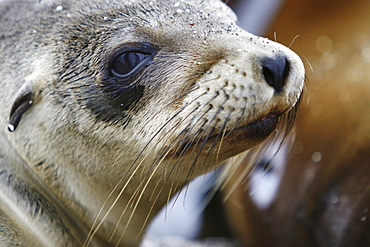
x=188 y=143
x=195 y=136
x=139 y=199
x=223 y=131
x=182 y=96
x=175 y=164
x=242 y=115
x=88 y=240
x=161 y=151
x=309 y=63
x=121 y=192
x=246 y=170
x=220 y=145
x=291 y=43
x=191 y=170
x=130 y=178
x=223 y=127
x=149 y=213
x=207 y=136
x=92 y=231
x=253 y=156
x=90 y=236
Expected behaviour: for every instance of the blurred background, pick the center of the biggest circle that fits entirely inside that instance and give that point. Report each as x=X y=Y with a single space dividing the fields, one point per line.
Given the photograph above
x=316 y=192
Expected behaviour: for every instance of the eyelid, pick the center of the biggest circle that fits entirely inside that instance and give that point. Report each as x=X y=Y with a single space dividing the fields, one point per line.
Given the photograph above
x=133 y=70
x=144 y=48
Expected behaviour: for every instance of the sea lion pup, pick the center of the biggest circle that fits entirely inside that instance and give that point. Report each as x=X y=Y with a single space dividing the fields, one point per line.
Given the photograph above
x=109 y=107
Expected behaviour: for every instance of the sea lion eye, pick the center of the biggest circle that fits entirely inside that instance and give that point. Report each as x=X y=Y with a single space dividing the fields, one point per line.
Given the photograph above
x=121 y=84
x=129 y=62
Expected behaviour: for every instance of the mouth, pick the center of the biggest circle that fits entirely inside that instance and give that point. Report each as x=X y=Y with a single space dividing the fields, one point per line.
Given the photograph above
x=254 y=132
x=261 y=128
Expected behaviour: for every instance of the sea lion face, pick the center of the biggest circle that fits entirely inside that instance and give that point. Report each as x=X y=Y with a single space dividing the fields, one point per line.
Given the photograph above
x=180 y=81
x=177 y=80
x=164 y=90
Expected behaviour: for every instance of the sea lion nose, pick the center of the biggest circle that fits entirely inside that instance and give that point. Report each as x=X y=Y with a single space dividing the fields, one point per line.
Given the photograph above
x=276 y=70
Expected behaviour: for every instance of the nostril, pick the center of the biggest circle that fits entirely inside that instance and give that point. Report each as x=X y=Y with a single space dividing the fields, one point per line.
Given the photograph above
x=276 y=70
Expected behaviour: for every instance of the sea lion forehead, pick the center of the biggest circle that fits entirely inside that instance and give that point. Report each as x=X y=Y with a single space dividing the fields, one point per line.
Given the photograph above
x=177 y=20
x=190 y=8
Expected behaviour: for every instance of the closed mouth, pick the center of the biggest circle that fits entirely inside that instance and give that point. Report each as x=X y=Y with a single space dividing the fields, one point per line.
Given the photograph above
x=255 y=131
x=263 y=127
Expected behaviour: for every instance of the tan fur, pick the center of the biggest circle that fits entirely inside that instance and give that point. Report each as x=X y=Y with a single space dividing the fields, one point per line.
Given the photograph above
x=87 y=171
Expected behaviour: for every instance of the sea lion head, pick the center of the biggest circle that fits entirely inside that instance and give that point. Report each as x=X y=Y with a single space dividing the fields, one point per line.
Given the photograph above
x=161 y=90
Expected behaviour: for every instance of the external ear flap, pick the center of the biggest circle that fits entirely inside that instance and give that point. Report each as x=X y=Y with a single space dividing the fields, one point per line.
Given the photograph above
x=22 y=103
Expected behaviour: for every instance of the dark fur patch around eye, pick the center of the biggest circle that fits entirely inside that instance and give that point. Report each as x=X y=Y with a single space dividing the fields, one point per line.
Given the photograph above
x=121 y=86
x=123 y=96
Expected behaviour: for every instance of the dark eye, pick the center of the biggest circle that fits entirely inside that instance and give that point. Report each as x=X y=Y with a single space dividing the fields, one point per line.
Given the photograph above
x=129 y=62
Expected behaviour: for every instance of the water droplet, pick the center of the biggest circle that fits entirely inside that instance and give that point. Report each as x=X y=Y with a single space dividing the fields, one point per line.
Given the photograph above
x=59 y=8
x=11 y=127
x=316 y=157
x=176 y=4
x=363 y=218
